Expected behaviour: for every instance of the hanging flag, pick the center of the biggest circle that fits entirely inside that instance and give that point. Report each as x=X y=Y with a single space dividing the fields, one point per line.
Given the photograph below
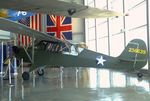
x=36 y=22
x=59 y=26
x=22 y=39
x=33 y=22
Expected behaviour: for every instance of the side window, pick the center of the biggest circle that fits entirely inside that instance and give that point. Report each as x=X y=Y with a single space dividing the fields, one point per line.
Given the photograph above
x=73 y=50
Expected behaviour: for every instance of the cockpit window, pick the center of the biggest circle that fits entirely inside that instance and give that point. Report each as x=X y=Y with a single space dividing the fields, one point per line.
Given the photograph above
x=59 y=47
x=50 y=46
x=74 y=50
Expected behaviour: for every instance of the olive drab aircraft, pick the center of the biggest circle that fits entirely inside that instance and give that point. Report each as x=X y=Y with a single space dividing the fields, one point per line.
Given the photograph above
x=133 y=58
x=50 y=51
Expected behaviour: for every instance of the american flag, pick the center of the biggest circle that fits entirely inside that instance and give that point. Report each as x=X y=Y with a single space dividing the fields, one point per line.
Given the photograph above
x=34 y=22
x=59 y=26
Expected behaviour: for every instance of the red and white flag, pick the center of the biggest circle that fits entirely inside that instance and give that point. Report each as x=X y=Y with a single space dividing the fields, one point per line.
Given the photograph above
x=34 y=22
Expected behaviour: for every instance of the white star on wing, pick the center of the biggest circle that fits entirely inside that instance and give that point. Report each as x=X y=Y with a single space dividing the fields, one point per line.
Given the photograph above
x=100 y=60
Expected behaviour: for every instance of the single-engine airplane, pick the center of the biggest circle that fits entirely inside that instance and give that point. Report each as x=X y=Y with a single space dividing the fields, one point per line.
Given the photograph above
x=40 y=54
x=133 y=58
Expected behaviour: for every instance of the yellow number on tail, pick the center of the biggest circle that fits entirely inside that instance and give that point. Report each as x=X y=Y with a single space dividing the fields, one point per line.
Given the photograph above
x=137 y=51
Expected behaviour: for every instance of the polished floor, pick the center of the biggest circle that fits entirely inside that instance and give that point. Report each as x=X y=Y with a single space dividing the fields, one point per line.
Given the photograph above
x=76 y=84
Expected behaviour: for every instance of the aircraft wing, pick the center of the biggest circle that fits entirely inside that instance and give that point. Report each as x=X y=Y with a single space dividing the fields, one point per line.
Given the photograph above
x=58 y=7
x=18 y=28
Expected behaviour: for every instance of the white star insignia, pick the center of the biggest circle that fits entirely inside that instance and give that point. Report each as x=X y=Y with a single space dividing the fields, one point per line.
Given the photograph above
x=100 y=60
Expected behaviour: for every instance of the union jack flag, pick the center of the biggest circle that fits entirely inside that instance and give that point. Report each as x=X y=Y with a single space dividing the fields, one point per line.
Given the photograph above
x=59 y=26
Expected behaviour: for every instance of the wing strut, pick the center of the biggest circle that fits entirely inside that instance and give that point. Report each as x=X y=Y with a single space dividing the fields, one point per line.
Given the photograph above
x=33 y=49
x=31 y=58
x=27 y=54
x=26 y=75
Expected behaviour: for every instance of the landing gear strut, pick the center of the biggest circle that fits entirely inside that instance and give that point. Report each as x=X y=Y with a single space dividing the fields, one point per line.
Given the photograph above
x=25 y=75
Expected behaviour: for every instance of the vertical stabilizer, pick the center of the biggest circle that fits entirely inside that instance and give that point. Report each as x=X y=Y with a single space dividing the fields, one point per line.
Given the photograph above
x=136 y=52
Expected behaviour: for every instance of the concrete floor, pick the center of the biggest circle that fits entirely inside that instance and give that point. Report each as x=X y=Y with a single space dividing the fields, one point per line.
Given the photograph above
x=76 y=85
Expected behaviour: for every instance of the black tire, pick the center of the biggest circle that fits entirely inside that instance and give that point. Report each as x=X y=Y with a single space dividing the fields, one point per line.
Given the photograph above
x=140 y=75
x=25 y=76
x=40 y=72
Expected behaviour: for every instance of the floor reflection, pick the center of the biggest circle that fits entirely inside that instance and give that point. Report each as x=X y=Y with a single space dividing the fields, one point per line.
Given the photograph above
x=109 y=79
x=76 y=84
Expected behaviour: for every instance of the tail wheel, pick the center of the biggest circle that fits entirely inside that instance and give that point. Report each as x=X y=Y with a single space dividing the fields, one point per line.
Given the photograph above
x=25 y=76
x=40 y=72
x=140 y=75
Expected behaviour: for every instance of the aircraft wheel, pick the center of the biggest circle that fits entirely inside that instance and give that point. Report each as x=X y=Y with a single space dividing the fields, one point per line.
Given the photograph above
x=40 y=72
x=140 y=75
x=25 y=76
